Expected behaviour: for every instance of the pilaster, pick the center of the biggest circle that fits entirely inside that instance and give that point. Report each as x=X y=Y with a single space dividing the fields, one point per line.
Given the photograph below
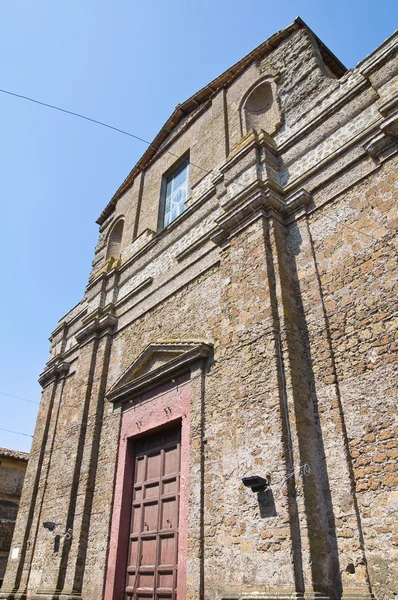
x=36 y=481
x=59 y=566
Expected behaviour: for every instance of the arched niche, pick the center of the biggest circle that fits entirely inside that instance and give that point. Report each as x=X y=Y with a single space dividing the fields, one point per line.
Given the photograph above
x=115 y=240
x=259 y=108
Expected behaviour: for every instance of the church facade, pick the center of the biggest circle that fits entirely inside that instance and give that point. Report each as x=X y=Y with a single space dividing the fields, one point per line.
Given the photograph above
x=218 y=418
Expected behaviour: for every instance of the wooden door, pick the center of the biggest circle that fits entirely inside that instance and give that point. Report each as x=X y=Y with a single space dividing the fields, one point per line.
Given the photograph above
x=153 y=544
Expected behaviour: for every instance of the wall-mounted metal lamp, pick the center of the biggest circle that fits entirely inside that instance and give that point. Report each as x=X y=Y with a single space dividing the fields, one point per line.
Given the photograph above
x=256 y=483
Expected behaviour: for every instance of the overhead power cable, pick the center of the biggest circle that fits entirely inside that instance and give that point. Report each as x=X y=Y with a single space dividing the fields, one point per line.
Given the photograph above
x=80 y=116
x=75 y=114
x=19 y=398
x=16 y=432
x=140 y=139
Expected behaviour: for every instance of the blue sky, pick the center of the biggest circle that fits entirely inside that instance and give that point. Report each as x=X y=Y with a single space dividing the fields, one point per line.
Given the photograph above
x=127 y=63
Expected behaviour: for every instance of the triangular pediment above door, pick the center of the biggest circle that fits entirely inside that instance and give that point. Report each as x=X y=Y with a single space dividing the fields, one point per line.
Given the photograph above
x=159 y=362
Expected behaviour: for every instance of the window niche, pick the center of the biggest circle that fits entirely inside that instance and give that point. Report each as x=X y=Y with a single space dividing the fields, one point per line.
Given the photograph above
x=115 y=240
x=259 y=109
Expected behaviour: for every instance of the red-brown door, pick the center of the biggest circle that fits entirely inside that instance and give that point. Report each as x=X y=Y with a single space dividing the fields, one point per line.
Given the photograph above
x=152 y=558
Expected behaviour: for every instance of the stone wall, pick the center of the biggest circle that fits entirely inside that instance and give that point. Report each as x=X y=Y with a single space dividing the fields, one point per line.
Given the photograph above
x=354 y=359
x=283 y=263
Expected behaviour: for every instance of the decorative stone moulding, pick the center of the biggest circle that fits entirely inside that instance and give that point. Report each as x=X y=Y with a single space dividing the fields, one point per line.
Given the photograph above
x=279 y=595
x=390 y=125
x=241 y=208
x=158 y=363
x=253 y=139
x=138 y=288
x=54 y=372
x=106 y=269
x=298 y=200
x=259 y=197
x=62 y=327
x=385 y=140
x=47 y=595
x=101 y=322
x=140 y=242
x=192 y=247
x=389 y=106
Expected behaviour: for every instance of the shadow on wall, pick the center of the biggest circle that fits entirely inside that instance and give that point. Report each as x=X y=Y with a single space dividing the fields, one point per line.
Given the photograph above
x=266 y=504
x=324 y=556
x=321 y=522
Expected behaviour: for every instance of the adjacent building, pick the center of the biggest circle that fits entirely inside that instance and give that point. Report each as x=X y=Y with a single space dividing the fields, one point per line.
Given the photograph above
x=218 y=418
x=13 y=465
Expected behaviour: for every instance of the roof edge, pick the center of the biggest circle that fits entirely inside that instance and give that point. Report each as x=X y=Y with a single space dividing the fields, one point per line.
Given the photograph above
x=329 y=58
x=14 y=454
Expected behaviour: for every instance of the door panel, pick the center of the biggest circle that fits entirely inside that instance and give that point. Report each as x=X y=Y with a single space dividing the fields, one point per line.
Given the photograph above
x=152 y=563
x=167 y=550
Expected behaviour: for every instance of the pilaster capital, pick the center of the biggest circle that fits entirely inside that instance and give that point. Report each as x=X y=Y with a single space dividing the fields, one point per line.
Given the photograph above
x=101 y=322
x=258 y=198
x=385 y=140
x=53 y=372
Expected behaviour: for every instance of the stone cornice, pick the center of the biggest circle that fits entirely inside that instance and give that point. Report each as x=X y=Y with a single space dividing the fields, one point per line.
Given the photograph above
x=257 y=197
x=379 y=57
x=194 y=246
x=390 y=106
x=249 y=142
x=63 y=322
x=54 y=372
x=320 y=166
x=189 y=211
x=379 y=144
x=297 y=200
x=101 y=322
x=138 y=288
x=390 y=125
x=98 y=279
x=385 y=139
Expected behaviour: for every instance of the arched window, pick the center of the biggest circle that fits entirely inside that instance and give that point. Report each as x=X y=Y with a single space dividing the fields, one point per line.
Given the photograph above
x=115 y=240
x=259 y=109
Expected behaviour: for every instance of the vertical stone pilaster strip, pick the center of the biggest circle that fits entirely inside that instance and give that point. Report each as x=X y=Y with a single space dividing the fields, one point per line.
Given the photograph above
x=246 y=384
x=220 y=128
x=195 y=533
x=136 y=231
x=35 y=485
x=87 y=471
x=292 y=457
x=53 y=573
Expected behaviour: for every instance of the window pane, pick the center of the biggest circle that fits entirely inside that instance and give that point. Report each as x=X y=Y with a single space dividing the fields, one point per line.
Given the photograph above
x=176 y=193
x=169 y=187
